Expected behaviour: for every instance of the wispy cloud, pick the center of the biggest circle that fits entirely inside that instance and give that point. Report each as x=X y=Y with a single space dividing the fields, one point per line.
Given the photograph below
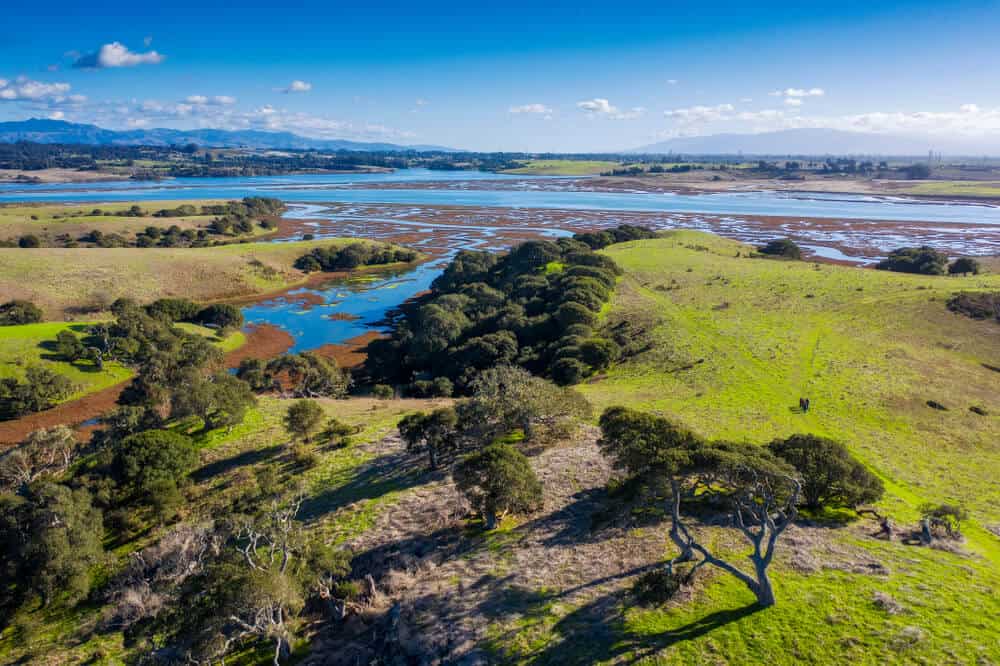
x=694 y=115
x=672 y=82
x=297 y=86
x=599 y=106
x=117 y=54
x=216 y=100
x=23 y=88
x=798 y=92
x=531 y=108
x=969 y=120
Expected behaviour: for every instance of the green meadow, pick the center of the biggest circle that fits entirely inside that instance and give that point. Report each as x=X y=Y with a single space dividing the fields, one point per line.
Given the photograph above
x=564 y=167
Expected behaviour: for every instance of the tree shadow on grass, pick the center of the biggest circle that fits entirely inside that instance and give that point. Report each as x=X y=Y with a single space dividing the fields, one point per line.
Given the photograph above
x=385 y=474
x=596 y=632
x=251 y=457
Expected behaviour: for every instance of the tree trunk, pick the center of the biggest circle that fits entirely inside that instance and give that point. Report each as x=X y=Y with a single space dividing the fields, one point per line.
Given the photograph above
x=764 y=591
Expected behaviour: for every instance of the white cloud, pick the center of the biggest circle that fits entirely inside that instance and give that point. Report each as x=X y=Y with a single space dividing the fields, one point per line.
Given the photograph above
x=793 y=101
x=530 y=108
x=798 y=92
x=969 y=120
x=57 y=115
x=147 y=40
x=421 y=102
x=746 y=100
x=695 y=115
x=217 y=100
x=117 y=54
x=598 y=105
x=23 y=88
x=671 y=82
x=297 y=86
x=602 y=107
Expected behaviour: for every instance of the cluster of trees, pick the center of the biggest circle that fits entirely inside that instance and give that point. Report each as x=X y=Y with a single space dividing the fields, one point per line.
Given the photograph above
x=925 y=260
x=222 y=316
x=470 y=437
x=760 y=487
x=351 y=256
x=782 y=247
x=40 y=389
x=535 y=307
x=304 y=375
x=18 y=312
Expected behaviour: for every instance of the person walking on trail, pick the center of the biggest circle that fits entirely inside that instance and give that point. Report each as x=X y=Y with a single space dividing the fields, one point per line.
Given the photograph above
x=806 y=405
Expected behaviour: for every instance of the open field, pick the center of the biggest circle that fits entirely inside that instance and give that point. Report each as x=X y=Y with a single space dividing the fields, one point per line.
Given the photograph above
x=739 y=340
x=47 y=221
x=958 y=188
x=63 y=280
x=565 y=167
x=34 y=344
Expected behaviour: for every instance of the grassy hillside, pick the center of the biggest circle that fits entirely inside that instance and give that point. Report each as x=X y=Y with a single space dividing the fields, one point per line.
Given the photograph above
x=739 y=340
x=736 y=342
x=50 y=220
x=61 y=280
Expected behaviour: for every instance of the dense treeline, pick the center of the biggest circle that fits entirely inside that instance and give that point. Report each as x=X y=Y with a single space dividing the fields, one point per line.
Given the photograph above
x=351 y=256
x=535 y=307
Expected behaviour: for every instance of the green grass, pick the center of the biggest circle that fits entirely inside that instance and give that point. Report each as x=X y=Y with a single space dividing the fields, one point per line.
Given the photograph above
x=565 y=167
x=61 y=280
x=963 y=188
x=50 y=220
x=739 y=340
x=33 y=344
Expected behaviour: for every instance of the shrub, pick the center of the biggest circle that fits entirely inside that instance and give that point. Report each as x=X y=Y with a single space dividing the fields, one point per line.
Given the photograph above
x=566 y=371
x=923 y=260
x=659 y=586
x=69 y=346
x=174 y=309
x=499 y=480
x=383 y=392
x=146 y=460
x=976 y=304
x=782 y=247
x=29 y=240
x=17 y=312
x=303 y=418
x=964 y=266
x=221 y=315
x=830 y=475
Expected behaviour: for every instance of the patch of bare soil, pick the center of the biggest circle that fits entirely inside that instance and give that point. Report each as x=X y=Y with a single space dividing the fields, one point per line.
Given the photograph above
x=351 y=352
x=440 y=584
x=442 y=591
x=264 y=341
x=75 y=413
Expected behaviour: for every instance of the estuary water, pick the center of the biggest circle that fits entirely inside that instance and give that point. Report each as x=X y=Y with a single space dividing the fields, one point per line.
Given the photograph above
x=343 y=309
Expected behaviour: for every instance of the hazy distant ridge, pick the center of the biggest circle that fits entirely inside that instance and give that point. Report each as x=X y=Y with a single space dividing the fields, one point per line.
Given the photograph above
x=818 y=142
x=59 y=131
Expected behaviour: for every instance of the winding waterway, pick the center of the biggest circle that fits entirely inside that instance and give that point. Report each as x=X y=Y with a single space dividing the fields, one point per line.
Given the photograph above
x=444 y=211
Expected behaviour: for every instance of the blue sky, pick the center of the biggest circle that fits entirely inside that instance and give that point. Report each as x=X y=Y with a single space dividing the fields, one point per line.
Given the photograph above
x=564 y=76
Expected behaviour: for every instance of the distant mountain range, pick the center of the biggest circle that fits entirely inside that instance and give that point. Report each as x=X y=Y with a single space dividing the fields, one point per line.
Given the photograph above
x=819 y=142
x=59 y=131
